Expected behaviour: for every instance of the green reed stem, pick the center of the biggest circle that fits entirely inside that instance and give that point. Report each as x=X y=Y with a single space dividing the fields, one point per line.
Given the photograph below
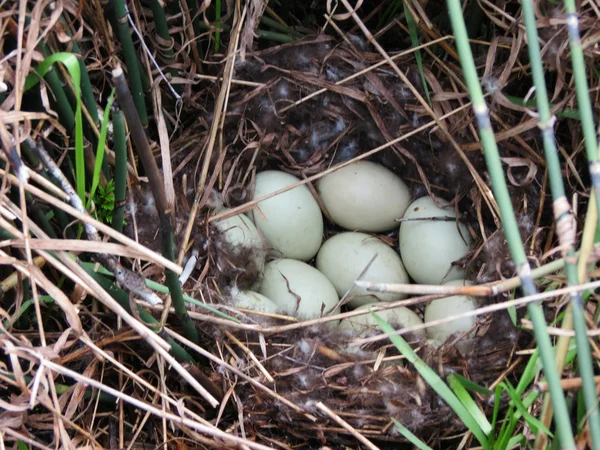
x=178 y=352
x=164 y=43
x=123 y=298
x=217 y=20
x=66 y=116
x=565 y=216
x=120 y=147
x=275 y=37
x=267 y=21
x=38 y=214
x=509 y=222
x=130 y=59
x=583 y=97
x=167 y=243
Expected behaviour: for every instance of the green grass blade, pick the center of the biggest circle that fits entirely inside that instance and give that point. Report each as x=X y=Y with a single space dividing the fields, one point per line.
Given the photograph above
x=414 y=39
x=410 y=436
x=463 y=395
x=532 y=369
x=388 y=14
x=471 y=386
x=567 y=113
x=436 y=383
x=23 y=309
x=72 y=64
x=533 y=423
x=101 y=145
x=496 y=411
x=508 y=427
x=68 y=59
x=516 y=441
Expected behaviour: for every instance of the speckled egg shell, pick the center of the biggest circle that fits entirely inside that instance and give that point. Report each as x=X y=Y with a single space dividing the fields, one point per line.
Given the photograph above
x=345 y=256
x=291 y=222
x=298 y=289
x=364 y=196
x=429 y=247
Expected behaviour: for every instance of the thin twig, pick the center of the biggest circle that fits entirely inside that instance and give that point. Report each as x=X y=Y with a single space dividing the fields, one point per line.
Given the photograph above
x=491 y=308
x=347 y=426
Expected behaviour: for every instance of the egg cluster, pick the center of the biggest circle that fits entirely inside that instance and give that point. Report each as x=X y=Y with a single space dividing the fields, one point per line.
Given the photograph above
x=366 y=198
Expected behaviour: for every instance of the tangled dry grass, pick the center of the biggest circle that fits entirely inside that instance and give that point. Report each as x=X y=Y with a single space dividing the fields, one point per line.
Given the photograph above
x=79 y=369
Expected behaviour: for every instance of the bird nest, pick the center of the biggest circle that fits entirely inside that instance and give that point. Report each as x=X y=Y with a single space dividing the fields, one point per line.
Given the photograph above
x=307 y=108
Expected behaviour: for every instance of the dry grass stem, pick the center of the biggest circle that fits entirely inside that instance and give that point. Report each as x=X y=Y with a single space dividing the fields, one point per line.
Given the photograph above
x=347 y=426
x=492 y=308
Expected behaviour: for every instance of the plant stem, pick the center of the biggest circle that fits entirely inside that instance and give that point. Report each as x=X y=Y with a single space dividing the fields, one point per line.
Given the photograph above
x=564 y=221
x=509 y=222
x=130 y=59
x=120 y=146
x=217 y=20
x=267 y=21
x=165 y=42
x=275 y=37
x=583 y=97
x=66 y=116
x=164 y=211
